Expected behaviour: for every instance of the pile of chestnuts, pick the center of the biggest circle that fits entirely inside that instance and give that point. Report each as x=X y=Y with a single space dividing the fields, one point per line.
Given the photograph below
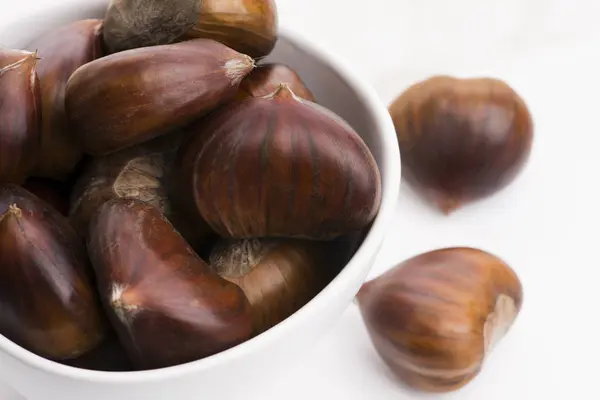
x=164 y=196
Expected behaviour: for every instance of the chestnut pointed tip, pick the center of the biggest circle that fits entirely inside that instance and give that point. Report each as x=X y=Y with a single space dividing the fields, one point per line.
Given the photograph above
x=237 y=68
x=124 y=302
x=283 y=91
x=449 y=205
x=13 y=210
x=27 y=55
x=36 y=56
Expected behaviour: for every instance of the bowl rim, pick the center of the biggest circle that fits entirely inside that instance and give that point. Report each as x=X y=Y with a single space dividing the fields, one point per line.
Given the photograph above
x=391 y=172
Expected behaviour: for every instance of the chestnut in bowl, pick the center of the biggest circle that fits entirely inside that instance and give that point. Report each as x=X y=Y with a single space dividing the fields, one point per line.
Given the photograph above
x=251 y=366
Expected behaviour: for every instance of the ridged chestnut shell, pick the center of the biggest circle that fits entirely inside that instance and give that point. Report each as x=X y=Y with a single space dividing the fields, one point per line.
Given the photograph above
x=248 y=26
x=133 y=96
x=435 y=317
x=166 y=304
x=47 y=301
x=293 y=169
x=461 y=139
x=20 y=114
x=62 y=51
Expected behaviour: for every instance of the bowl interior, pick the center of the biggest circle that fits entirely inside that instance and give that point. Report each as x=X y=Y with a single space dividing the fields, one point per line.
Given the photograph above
x=333 y=88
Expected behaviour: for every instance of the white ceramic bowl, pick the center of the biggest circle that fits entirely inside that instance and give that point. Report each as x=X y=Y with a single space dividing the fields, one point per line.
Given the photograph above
x=232 y=374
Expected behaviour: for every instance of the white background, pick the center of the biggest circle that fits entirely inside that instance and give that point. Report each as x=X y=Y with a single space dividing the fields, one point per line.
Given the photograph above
x=545 y=225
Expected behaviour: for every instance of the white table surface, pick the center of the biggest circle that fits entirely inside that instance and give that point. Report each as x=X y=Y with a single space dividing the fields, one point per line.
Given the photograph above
x=545 y=225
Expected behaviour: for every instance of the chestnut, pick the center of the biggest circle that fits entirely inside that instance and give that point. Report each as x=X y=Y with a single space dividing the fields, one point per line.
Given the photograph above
x=139 y=172
x=166 y=304
x=62 y=51
x=277 y=276
x=130 y=97
x=434 y=317
x=49 y=305
x=109 y=356
x=461 y=140
x=247 y=26
x=266 y=78
x=294 y=169
x=20 y=114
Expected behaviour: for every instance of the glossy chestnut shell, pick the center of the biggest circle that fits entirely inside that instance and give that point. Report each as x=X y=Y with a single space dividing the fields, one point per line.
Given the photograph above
x=461 y=139
x=294 y=169
x=248 y=26
x=166 y=304
x=20 y=114
x=48 y=302
x=62 y=51
x=277 y=276
x=139 y=172
x=435 y=317
x=131 y=97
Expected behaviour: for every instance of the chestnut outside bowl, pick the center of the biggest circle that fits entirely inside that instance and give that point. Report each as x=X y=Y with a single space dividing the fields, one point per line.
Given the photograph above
x=240 y=371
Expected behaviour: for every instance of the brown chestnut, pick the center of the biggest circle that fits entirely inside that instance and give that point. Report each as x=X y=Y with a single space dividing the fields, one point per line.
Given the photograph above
x=48 y=303
x=109 y=356
x=294 y=169
x=62 y=51
x=435 y=317
x=277 y=276
x=138 y=172
x=248 y=26
x=266 y=78
x=55 y=193
x=20 y=114
x=133 y=96
x=166 y=304
x=461 y=139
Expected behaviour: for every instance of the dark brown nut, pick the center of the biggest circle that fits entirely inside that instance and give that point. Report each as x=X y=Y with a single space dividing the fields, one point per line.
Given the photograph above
x=461 y=140
x=48 y=303
x=109 y=356
x=139 y=172
x=20 y=114
x=133 y=96
x=62 y=51
x=294 y=169
x=166 y=304
x=435 y=317
x=278 y=276
x=248 y=26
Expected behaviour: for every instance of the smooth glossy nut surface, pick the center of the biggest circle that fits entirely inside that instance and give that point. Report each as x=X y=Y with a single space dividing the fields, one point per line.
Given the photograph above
x=20 y=114
x=48 y=303
x=461 y=140
x=131 y=97
x=166 y=304
x=435 y=317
